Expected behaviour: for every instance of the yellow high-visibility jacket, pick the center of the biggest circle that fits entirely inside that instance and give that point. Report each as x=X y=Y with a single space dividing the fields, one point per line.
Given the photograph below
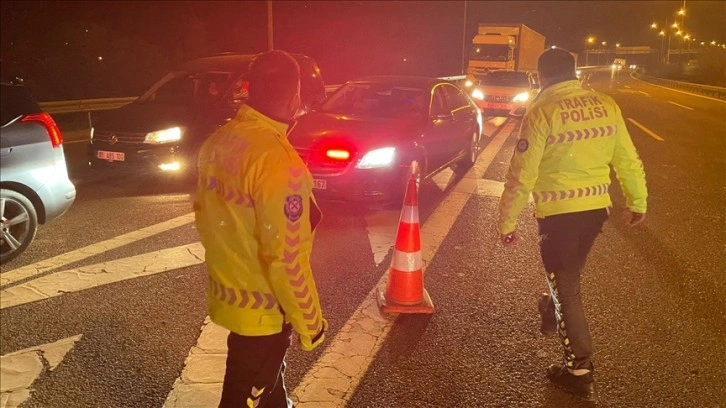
x=568 y=140
x=253 y=209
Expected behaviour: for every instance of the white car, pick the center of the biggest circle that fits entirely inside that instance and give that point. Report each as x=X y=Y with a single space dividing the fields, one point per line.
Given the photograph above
x=505 y=92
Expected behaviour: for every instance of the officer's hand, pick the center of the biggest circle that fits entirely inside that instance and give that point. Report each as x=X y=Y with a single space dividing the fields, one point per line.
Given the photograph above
x=633 y=218
x=308 y=343
x=509 y=239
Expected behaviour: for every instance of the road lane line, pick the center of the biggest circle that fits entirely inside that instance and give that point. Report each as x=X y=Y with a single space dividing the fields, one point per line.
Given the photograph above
x=646 y=130
x=87 y=277
x=627 y=86
x=40 y=267
x=682 y=106
x=332 y=380
x=644 y=93
x=678 y=90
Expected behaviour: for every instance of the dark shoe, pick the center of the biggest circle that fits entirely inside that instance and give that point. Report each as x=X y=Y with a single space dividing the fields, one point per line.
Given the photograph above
x=547 y=312
x=581 y=386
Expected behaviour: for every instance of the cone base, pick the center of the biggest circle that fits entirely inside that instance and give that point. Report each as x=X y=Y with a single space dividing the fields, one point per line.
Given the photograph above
x=387 y=306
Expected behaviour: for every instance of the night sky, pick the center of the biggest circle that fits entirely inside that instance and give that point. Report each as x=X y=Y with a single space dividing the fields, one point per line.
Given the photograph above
x=139 y=39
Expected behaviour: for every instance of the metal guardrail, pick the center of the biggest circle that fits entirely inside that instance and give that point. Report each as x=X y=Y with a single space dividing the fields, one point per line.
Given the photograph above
x=89 y=105
x=85 y=105
x=705 y=90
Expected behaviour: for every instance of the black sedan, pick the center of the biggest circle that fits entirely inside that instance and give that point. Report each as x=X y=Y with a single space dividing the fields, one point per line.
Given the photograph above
x=361 y=143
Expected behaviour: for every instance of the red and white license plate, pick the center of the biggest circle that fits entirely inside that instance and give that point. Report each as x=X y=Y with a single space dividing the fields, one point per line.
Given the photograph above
x=320 y=184
x=110 y=156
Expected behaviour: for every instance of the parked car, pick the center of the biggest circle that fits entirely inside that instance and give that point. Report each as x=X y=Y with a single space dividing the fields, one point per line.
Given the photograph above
x=505 y=92
x=361 y=143
x=34 y=184
x=163 y=130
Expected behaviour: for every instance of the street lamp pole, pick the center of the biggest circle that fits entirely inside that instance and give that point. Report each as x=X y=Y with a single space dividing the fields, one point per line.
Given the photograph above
x=463 y=44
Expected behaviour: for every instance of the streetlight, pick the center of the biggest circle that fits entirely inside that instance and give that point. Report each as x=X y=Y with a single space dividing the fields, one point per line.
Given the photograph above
x=591 y=40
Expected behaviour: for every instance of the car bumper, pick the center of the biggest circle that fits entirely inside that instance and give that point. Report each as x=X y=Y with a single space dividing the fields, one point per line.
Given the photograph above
x=507 y=109
x=139 y=158
x=57 y=192
x=361 y=185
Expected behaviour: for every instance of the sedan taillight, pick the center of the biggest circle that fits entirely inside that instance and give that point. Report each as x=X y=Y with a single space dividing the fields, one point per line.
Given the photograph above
x=56 y=138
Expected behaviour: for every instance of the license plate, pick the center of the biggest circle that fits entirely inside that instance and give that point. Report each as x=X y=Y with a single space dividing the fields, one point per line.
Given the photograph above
x=320 y=184
x=110 y=156
x=498 y=106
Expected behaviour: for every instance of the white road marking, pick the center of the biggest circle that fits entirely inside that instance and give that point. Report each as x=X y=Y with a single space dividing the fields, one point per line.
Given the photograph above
x=332 y=380
x=18 y=370
x=87 y=277
x=381 y=227
x=644 y=93
x=91 y=250
x=646 y=130
x=682 y=106
x=627 y=86
x=678 y=90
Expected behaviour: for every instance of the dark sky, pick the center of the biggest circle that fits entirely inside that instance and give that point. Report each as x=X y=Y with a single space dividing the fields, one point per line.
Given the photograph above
x=350 y=38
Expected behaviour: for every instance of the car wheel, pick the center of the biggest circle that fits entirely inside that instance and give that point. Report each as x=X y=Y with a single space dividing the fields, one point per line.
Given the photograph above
x=18 y=221
x=472 y=152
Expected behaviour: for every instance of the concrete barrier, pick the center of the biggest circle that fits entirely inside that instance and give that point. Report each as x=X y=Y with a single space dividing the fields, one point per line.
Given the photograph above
x=705 y=90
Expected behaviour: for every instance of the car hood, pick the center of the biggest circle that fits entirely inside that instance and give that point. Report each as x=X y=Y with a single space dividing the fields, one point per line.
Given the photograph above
x=149 y=117
x=363 y=131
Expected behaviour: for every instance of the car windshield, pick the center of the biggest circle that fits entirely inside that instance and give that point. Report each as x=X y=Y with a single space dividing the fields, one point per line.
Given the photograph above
x=188 y=88
x=506 y=78
x=489 y=52
x=379 y=100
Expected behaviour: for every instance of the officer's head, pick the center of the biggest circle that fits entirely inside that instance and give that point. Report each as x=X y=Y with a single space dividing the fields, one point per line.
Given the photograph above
x=274 y=79
x=555 y=65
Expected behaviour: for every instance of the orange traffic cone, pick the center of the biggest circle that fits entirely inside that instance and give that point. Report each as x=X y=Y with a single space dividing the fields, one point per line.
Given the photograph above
x=405 y=292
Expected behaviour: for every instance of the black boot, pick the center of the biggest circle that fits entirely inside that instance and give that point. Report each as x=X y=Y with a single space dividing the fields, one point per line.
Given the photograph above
x=547 y=313
x=581 y=386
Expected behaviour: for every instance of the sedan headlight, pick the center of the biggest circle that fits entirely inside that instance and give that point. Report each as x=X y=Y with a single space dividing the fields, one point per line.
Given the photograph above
x=377 y=158
x=521 y=97
x=163 y=136
x=468 y=83
x=477 y=94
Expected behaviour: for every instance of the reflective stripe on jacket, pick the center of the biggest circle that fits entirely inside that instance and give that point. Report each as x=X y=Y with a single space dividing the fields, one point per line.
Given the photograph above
x=253 y=205
x=568 y=139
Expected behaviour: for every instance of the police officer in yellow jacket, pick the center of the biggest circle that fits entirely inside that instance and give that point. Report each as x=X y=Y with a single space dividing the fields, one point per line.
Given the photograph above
x=256 y=215
x=568 y=140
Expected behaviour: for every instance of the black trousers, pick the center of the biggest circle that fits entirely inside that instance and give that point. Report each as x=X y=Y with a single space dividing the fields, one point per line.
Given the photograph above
x=565 y=242
x=255 y=371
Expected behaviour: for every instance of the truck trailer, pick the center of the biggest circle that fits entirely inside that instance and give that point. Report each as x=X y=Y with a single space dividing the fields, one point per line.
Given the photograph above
x=508 y=47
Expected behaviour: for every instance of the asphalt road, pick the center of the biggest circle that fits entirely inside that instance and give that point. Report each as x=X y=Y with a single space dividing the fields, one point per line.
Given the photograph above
x=654 y=295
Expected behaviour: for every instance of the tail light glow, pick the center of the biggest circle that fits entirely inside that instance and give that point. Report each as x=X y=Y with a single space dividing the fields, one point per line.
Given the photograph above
x=56 y=138
x=338 y=154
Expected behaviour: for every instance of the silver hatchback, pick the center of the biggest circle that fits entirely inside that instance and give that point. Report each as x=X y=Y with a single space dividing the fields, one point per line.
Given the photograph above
x=34 y=183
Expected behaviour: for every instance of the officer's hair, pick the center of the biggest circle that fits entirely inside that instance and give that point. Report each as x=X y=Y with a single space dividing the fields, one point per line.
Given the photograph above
x=273 y=77
x=556 y=63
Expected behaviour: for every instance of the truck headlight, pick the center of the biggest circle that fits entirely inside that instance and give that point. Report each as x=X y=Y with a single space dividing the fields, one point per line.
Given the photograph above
x=377 y=158
x=522 y=97
x=163 y=136
x=477 y=94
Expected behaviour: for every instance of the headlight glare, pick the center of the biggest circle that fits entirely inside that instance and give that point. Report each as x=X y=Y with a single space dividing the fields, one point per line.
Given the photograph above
x=377 y=158
x=477 y=94
x=163 y=136
x=521 y=97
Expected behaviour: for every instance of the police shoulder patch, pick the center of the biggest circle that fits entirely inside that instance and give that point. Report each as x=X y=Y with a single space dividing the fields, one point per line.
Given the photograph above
x=522 y=145
x=293 y=207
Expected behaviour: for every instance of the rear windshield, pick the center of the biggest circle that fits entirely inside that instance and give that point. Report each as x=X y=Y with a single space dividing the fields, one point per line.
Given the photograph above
x=16 y=101
x=379 y=100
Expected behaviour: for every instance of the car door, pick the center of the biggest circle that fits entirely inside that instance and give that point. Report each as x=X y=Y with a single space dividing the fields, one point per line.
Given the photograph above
x=436 y=138
x=464 y=123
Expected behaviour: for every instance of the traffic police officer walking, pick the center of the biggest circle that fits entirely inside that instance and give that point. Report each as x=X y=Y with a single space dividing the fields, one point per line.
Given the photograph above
x=256 y=214
x=568 y=140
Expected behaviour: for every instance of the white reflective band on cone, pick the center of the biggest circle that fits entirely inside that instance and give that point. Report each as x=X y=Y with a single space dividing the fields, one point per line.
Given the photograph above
x=409 y=215
x=407 y=261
